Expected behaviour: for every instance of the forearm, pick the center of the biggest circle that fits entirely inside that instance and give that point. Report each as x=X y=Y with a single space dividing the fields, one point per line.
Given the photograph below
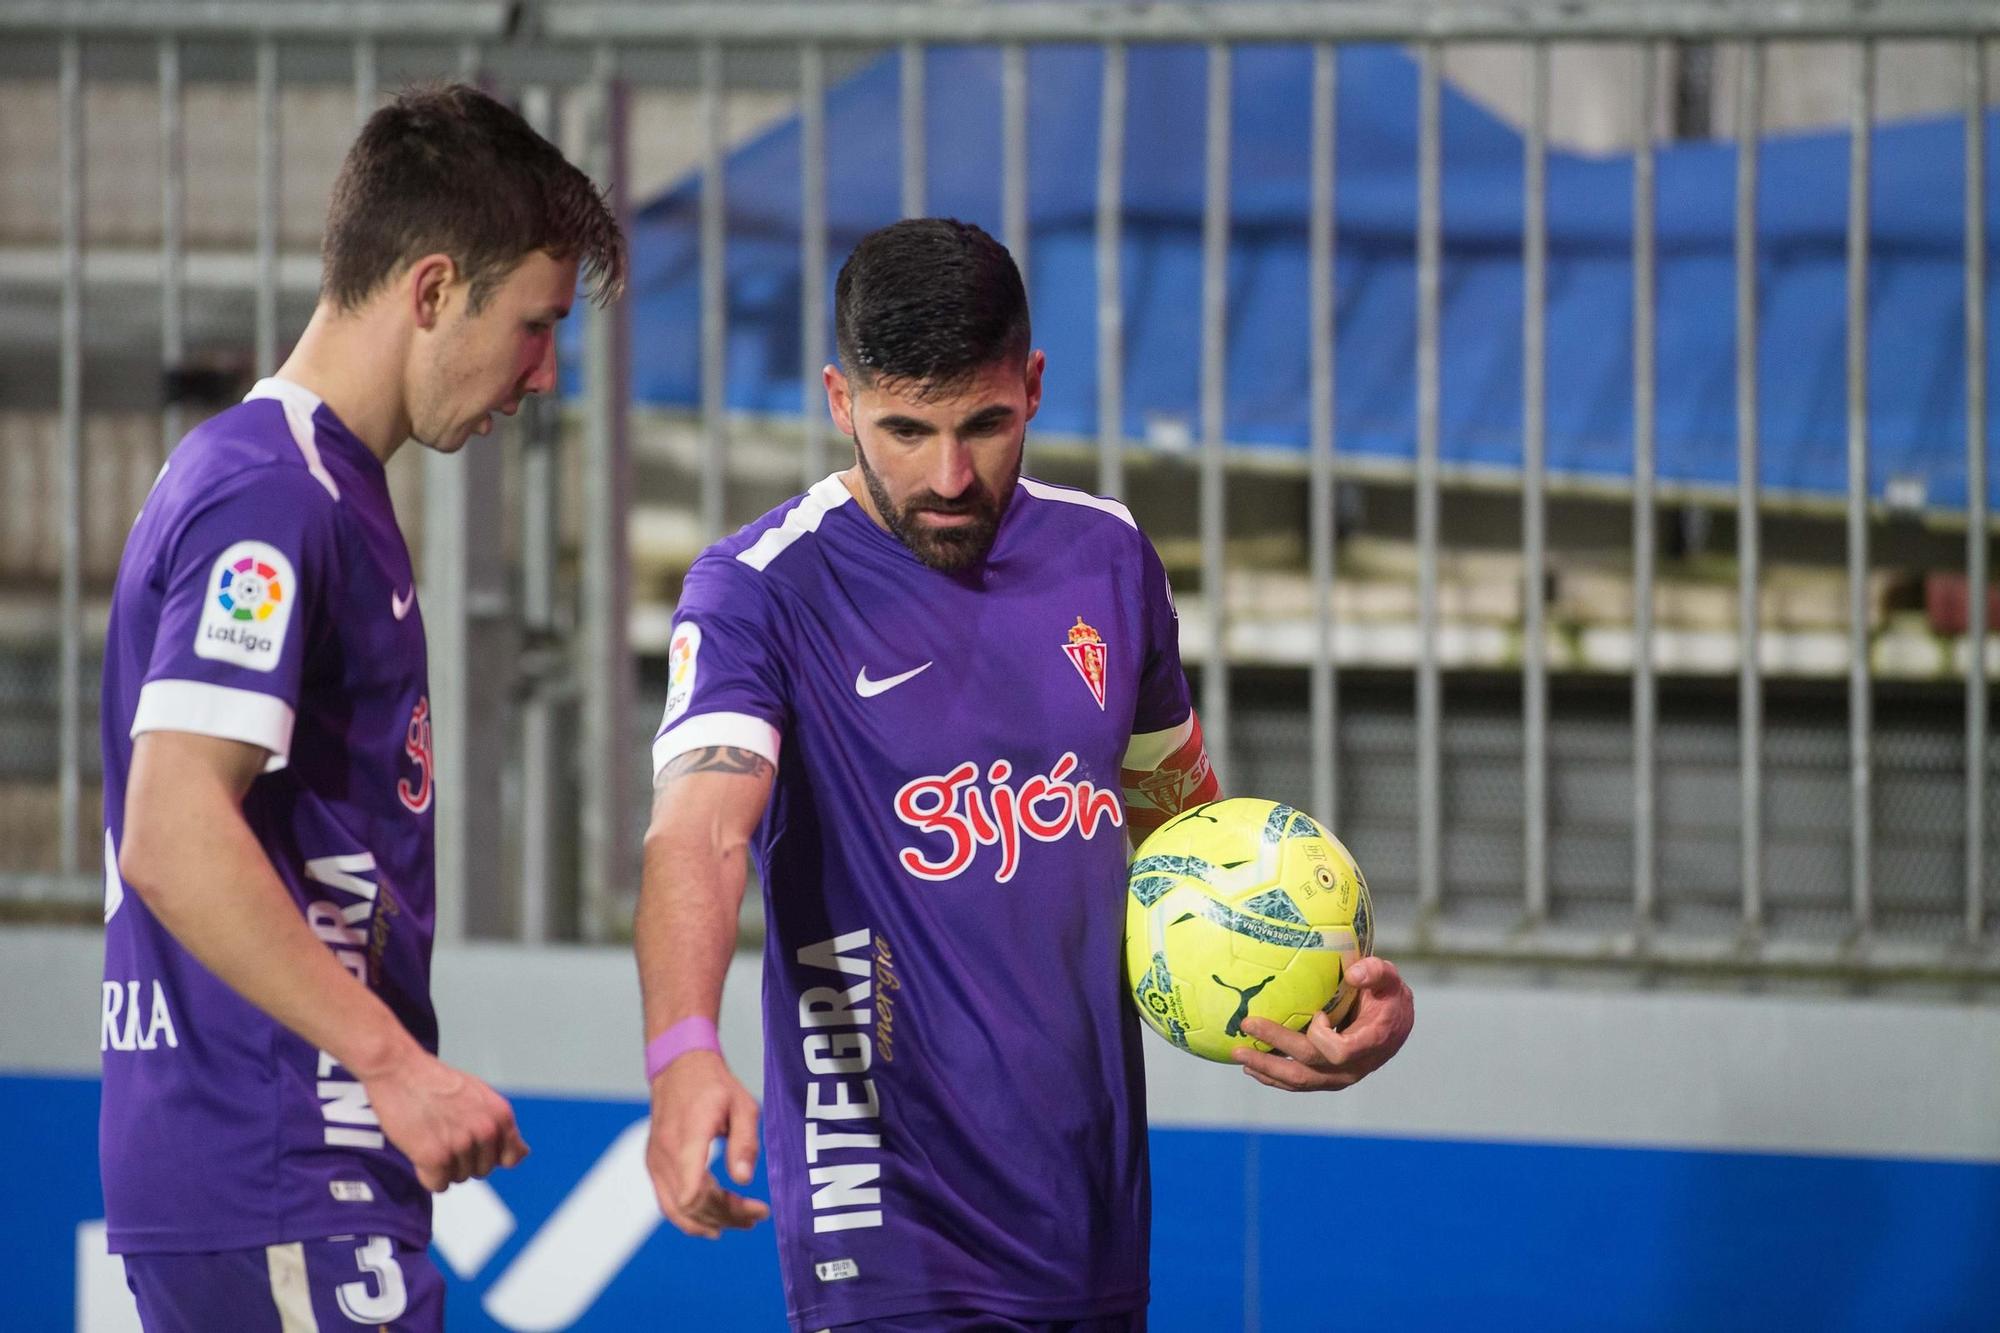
x=685 y=930
x=195 y=863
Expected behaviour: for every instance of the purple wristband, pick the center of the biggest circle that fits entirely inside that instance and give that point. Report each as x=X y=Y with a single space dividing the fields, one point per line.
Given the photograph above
x=693 y=1033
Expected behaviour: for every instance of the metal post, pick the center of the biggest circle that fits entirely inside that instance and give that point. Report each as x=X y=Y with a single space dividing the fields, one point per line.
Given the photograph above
x=469 y=615
x=173 y=236
x=367 y=88
x=1110 y=293
x=70 y=772
x=1859 y=697
x=540 y=434
x=913 y=129
x=714 y=298
x=267 y=205
x=1214 y=380
x=1645 y=697
x=610 y=862
x=1430 y=815
x=812 y=255
x=1749 y=484
x=1977 y=738
x=1534 y=494
x=1324 y=684
x=1014 y=153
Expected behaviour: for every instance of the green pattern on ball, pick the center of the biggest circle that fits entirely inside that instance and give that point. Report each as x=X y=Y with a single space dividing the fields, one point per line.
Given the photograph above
x=1278 y=905
x=1259 y=928
x=1285 y=822
x=1191 y=867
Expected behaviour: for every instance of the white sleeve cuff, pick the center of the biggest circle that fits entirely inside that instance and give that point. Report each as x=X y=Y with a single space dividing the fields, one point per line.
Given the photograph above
x=222 y=711
x=742 y=730
x=1148 y=751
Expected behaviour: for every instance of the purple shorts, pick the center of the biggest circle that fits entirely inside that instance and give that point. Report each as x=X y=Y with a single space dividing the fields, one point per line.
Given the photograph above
x=343 y=1283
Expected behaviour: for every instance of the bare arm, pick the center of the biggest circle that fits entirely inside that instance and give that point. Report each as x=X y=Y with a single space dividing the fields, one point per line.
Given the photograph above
x=706 y=805
x=193 y=860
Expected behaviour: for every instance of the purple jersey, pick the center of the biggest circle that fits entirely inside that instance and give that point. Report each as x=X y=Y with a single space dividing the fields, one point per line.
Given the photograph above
x=954 y=1097
x=266 y=596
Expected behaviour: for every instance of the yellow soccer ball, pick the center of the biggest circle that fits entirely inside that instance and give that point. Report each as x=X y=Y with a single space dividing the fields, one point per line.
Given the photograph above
x=1238 y=909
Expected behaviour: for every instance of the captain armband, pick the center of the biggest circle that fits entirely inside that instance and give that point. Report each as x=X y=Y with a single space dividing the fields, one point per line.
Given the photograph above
x=1164 y=773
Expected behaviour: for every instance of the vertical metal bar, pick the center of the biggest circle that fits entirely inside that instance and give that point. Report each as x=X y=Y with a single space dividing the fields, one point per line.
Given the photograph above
x=812 y=254
x=1110 y=281
x=1014 y=153
x=1324 y=684
x=173 y=235
x=1977 y=738
x=471 y=67
x=610 y=860
x=1534 y=493
x=70 y=771
x=540 y=511
x=267 y=205
x=367 y=85
x=1430 y=804
x=1214 y=383
x=1749 y=486
x=1859 y=697
x=913 y=129
x=1645 y=697
x=714 y=298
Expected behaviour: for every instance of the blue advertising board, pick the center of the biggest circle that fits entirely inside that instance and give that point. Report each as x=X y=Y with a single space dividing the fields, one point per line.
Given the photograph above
x=1280 y=1230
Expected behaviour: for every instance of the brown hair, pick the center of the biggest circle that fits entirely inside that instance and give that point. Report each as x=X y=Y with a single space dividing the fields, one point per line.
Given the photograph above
x=447 y=169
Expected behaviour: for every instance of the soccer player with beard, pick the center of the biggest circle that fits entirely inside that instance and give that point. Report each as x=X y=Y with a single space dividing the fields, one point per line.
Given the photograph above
x=274 y=1109
x=914 y=694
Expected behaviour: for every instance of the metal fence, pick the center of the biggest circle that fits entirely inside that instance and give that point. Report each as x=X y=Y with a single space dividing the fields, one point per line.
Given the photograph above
x=477 y=607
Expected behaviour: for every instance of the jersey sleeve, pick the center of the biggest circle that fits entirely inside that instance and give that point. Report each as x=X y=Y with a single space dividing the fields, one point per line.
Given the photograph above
x=1164 y=704
x=725 y=683
x=245 y=583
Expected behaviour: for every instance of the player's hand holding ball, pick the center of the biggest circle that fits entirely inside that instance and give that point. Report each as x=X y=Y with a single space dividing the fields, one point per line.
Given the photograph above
x=449 y=1124
x=697 y=1100
x=1248 y=937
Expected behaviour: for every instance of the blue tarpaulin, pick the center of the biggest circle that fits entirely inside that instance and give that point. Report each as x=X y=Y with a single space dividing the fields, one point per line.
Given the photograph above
x=1916 y=409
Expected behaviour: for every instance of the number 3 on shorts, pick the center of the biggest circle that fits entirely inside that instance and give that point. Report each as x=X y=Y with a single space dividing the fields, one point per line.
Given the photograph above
x=381 y=1294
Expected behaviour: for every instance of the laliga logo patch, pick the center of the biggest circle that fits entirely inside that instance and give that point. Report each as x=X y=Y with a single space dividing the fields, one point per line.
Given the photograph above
x=250 y=593
x=681 y=655
x=1086 y=651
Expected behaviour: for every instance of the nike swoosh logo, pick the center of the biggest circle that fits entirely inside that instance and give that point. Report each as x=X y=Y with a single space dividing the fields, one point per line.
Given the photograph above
x=401 y=605
x=868 y=689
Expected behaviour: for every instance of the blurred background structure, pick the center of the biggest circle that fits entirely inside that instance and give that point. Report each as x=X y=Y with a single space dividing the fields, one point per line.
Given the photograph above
x=1566 y=426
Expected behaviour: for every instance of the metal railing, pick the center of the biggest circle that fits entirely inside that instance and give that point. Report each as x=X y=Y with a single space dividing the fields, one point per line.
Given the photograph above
x=609 y=39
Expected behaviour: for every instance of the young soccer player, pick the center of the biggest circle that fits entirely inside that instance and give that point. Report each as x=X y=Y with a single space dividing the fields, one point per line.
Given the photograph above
x=274 y=1111
x=914 y=694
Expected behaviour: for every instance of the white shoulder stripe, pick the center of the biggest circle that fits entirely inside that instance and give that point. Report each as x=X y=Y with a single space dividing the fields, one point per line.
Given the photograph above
x=299 y=403
x=826 y=495
x=1041 y=490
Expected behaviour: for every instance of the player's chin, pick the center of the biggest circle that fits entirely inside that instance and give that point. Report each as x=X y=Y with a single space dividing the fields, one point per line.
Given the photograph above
x=951 y=549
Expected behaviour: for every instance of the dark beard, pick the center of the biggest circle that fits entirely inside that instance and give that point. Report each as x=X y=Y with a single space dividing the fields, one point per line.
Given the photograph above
x=947 y=550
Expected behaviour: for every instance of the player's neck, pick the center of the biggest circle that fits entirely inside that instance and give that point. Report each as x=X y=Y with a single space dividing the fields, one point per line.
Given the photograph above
x=858 y=488
x=358 y=373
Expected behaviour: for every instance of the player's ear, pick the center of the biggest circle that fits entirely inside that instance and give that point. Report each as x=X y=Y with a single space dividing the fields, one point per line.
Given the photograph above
x=1036 y=363
x=839 y=399
x=428 y=285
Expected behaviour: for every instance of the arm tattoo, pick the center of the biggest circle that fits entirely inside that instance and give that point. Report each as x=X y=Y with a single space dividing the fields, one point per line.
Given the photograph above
x=716 y=759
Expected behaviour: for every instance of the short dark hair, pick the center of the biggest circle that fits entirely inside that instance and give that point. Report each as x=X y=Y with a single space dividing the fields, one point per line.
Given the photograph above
x=928 y=302
x=447 y=169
